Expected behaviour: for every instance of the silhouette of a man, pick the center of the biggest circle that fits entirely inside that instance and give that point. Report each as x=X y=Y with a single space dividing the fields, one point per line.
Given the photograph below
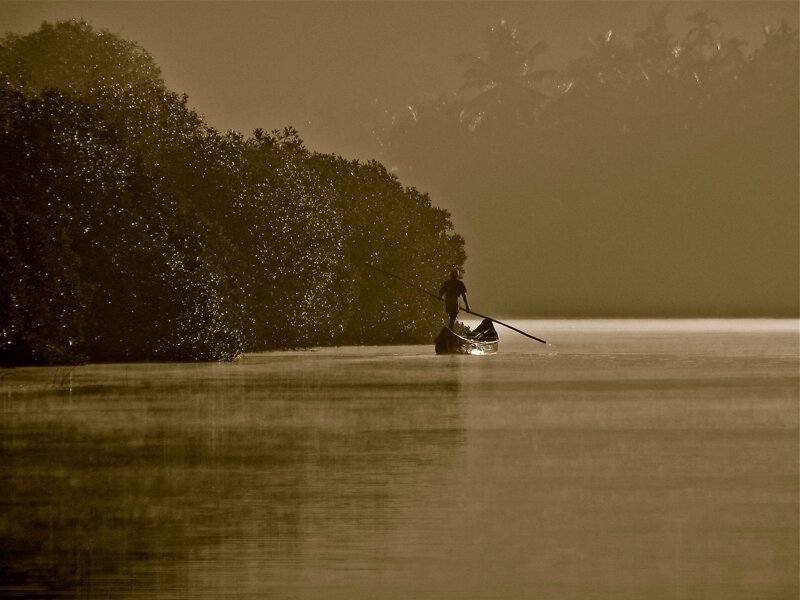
x=451 y=290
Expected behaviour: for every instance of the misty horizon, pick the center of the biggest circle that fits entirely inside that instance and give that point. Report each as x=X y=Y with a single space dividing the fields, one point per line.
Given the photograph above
x=647 y=167
x=219 y=39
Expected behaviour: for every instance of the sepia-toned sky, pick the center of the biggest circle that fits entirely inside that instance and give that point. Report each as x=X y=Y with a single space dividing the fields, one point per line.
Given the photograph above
x=337 y=71
x=334 y=69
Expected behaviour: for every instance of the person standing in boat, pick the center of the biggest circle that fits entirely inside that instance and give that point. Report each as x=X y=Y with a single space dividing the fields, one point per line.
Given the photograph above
x=451 y=290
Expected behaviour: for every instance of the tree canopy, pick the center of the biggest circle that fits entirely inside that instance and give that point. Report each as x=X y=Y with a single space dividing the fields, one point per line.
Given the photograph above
x=132 y=230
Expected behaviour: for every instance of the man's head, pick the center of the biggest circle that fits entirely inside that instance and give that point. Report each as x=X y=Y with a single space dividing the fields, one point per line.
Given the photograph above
x=453 y=274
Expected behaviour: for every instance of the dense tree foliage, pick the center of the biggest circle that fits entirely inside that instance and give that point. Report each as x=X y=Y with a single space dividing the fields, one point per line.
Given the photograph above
x=656 y=176
x=132 y=230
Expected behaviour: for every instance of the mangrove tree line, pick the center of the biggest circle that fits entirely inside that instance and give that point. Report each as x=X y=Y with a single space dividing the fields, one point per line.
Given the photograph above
x=130 y=229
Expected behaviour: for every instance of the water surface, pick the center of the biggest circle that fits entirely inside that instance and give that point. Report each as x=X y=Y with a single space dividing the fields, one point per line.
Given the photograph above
x=625 y=459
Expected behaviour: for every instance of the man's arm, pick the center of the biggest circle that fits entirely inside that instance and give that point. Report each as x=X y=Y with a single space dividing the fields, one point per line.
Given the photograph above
x=466 y=302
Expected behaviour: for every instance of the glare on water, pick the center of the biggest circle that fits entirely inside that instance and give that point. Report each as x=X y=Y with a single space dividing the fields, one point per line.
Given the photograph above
x=624 y=459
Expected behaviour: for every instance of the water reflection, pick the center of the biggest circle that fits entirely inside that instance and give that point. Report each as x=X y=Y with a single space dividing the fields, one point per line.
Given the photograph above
x=186 y=479
x=622 y=461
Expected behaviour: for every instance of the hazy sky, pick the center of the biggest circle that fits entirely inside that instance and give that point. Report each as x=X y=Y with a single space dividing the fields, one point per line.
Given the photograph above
x=331 y=69
x=337 y=70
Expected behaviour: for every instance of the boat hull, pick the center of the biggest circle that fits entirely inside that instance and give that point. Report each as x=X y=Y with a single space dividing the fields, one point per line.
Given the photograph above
x=482 y=341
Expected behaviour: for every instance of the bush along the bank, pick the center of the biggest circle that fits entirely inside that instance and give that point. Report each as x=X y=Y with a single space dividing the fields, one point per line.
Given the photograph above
x=132 y=230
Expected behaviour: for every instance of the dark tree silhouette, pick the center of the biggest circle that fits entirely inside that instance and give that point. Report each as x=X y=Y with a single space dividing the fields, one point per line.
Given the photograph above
x=132 y=230
x=73 y=57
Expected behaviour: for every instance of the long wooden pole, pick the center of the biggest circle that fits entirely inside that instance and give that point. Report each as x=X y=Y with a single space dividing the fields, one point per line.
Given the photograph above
x=472 y=312
x=533 y=337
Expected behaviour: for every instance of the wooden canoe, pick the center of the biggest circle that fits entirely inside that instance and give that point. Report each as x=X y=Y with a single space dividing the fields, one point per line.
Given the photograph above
x=483 y=340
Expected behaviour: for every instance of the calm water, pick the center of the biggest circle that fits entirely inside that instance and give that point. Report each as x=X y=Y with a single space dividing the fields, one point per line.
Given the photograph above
x=624 y=460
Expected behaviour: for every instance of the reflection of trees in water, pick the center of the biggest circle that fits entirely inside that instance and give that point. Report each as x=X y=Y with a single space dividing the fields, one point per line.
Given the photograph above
x=140 y=486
